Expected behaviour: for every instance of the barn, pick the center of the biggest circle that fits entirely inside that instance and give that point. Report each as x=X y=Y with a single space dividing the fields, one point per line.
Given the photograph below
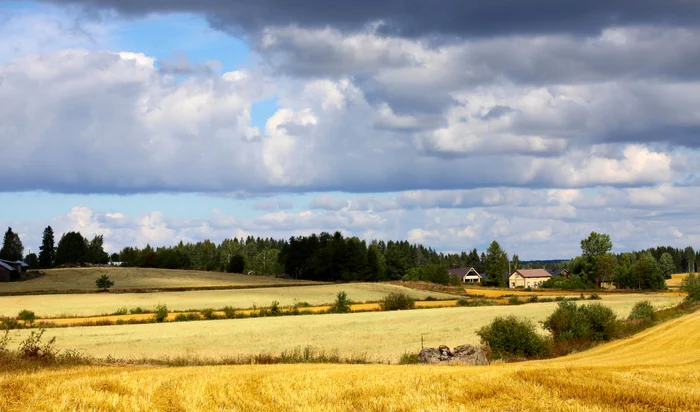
x=7 y=272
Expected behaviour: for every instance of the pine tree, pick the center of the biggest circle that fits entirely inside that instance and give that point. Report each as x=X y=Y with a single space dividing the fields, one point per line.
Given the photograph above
x=47 y=255
x=12 y=248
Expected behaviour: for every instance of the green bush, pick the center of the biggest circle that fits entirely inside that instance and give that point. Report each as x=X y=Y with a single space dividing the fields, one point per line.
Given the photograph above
x=121 y=311
x=397 y=301
x=595 y=296
x=209 y=314
x=186 y=317
x=135 y=311
x=463 y=302
x=409 y=359
x=533 y=299
x=27 y=316
x=513 y=336
x=593 y=322
x=573 y=282
x=691 y=285
x=303 y=304
x=229 y=312
x=9 y=323
x=513 y=300
x=160 y=313
x=342 y=303
x=430 y=299
x=642 y=310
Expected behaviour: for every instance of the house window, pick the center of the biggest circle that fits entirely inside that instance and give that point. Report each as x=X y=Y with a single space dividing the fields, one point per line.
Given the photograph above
x=528 y=284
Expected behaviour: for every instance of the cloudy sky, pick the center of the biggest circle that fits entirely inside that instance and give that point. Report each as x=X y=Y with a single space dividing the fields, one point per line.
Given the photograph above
x=449 y=122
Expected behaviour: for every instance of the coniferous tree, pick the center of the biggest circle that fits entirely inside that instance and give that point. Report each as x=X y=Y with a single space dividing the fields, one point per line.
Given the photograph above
x=47 y=254
x=12 y=248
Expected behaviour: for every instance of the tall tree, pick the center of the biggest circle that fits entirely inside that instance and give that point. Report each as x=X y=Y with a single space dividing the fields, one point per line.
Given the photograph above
x=516 y=262
x=12 y=248
x=648 y=273
x=72 y=248
x=47 y=254
x=666 y=265
x=605 y=268
x=95 y=251
x=690 y=258
x=496 y=264
x=596 y=245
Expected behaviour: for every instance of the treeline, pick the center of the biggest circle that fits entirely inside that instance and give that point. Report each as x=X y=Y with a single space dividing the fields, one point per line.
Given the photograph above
x=334 y=257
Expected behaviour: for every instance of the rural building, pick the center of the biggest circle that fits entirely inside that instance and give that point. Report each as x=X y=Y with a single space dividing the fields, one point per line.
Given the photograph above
x=466 y=274
x=19 y=266
x=559 y=272
x=528 y=278
x=7 y=272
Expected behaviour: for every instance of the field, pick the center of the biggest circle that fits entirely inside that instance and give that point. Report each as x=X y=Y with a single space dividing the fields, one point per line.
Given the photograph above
x=385 y=336
x=675 y=281
x=103 y=303
x=658 y=369
x=83 y=280
x=497 y=293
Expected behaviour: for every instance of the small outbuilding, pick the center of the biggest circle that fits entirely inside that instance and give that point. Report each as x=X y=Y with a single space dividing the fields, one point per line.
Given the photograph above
x=7 y=272
x=466 y=274
x=528 y=278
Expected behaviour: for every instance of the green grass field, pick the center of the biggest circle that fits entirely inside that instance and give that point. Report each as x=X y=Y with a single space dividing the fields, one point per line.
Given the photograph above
x=381 y=335
x=83 y=280
x=104 y=303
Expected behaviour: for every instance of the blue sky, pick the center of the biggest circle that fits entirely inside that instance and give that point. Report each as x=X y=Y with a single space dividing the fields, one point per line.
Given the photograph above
x=153 y=124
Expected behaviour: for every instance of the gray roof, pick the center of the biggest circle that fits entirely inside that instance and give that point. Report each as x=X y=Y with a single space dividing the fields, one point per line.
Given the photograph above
x=6 y=266
x=462 y=271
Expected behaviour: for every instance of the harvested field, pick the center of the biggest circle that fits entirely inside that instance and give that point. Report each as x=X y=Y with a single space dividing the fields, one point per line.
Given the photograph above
x=83 y=280
x=106 y=303
x=497 y=293
x=675 y=281
x=659 y=369
x=384 y=335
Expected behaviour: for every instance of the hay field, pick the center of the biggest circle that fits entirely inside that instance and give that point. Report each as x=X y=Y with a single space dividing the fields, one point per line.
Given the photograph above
x=658 y=369
x=383 y=335
x=83 y=280
x=104 y=303
x=675 y=281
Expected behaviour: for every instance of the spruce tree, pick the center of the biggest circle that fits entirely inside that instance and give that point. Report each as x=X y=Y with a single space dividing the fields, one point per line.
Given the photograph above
x=47 y=253
x=12 y=248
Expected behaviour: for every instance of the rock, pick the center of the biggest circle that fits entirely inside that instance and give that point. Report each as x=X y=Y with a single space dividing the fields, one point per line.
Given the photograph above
x=430 y=356
x=463 y=354
x=470 y=355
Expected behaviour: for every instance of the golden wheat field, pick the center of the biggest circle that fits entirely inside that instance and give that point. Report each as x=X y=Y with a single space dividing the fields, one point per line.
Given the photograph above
x=383 y=335
x=675 y=281
x=658 y=369
x=104 y=303
x=83 y=279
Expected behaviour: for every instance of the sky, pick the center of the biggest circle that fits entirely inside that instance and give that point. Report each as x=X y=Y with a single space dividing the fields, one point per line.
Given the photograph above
x=449 y=123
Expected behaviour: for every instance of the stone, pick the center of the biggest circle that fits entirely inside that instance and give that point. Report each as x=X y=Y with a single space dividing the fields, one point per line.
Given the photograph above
x=463 y=354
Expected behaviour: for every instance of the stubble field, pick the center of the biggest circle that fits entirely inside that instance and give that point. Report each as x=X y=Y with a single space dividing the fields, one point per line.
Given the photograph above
x=384 y=336
x=658 y=369
x=104 y=303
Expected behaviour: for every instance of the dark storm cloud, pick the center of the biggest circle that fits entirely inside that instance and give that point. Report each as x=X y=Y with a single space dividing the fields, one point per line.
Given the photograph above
x=412 y=18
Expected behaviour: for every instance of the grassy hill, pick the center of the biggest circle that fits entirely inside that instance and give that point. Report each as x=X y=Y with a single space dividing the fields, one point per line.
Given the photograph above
x=138 y=279
x=659 y=369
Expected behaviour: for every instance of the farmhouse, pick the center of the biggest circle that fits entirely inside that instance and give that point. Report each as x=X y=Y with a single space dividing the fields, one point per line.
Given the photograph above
x=7 y=272
x=528 y=278
x=466 y=274
x=18 y=266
